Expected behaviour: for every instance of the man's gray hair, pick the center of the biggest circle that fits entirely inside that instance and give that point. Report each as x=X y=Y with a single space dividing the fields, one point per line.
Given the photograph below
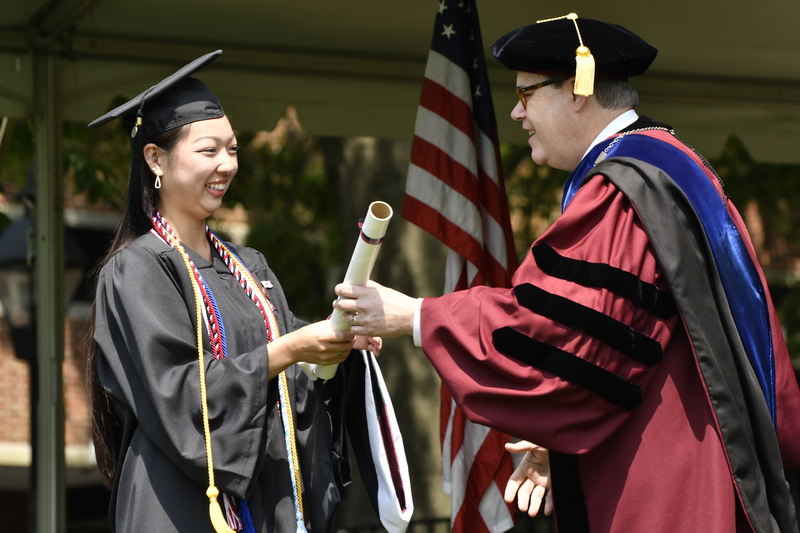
x=612 y=94
x=615 y=94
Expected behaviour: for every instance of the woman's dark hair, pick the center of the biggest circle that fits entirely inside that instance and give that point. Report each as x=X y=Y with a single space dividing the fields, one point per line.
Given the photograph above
x=134 y=222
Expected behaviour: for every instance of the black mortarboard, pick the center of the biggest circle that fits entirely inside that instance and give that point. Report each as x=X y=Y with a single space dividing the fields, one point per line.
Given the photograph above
x=561 y=46
x=174 y=101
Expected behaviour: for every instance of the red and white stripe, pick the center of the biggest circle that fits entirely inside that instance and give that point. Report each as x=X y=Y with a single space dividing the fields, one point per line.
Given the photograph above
x=231 y=513
x=455 y=191
x=454 y=187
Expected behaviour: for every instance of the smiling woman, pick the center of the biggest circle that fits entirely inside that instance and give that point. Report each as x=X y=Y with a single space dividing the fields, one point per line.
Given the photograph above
x=192 y=334
x=193 y=177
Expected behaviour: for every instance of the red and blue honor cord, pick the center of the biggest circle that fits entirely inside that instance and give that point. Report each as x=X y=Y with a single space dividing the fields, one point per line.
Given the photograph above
x=217 y=339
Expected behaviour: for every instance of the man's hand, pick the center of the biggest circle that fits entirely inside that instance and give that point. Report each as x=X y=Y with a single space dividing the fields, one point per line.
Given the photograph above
x=375 y=310
x=531 y=480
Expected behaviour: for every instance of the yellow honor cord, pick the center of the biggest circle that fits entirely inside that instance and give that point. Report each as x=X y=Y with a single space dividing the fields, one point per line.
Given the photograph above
x=283 y=383
x=214 y=508
x=216 y=515
x=215 y=512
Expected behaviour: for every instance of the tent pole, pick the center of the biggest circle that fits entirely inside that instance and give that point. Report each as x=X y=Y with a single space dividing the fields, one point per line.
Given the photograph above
x=49 y=260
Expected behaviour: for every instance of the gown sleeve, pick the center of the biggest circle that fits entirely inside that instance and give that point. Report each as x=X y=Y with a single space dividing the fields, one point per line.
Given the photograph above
x=148 y=360
x=562 y=358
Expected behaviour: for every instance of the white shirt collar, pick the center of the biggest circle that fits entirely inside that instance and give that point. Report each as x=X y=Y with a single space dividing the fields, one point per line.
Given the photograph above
x=618 y=124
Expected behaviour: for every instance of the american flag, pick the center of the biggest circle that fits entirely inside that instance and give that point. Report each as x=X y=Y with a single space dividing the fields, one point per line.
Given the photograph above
x=455 y=191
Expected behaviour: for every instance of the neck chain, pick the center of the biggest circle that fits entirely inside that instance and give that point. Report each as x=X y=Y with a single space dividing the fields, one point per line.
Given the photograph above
x=604 y=153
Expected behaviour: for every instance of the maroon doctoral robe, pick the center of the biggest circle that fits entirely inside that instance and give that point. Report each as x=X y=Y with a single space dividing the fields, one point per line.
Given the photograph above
x=642 y=441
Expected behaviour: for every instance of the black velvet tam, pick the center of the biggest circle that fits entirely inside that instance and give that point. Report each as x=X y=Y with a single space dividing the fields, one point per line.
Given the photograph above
x=549 y=48
x=174 y=101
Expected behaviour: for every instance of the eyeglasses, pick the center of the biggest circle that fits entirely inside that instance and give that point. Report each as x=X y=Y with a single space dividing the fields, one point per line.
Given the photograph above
x=522 y=90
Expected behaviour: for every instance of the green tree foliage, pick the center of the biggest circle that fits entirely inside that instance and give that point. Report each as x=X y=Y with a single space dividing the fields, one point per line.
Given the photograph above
x=17 y=161
x=292 y=209
x=534 y=195
x=97 y=162
x=769 y=201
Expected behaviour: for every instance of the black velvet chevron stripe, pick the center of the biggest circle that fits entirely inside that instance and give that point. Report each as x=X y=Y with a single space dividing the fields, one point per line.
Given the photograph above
x=572 y=515
x=612 y=332
x=645 y=295
x=568 y=367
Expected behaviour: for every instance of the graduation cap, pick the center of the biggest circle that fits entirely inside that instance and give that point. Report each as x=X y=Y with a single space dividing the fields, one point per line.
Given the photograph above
x=567 y=46
x=173 y=102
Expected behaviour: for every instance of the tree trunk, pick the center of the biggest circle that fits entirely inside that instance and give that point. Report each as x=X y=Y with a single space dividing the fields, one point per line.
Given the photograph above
x=411 y=261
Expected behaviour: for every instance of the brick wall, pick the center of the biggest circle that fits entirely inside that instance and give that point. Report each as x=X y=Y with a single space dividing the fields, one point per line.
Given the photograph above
x=15 y=395
x=76 y=405
x=14 y=391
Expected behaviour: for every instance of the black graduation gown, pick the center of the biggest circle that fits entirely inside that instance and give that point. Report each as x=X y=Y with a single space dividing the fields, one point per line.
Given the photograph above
x=147 y=360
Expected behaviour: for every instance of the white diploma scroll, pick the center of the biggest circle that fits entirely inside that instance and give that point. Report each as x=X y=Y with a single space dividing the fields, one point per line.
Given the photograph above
x=366 y=252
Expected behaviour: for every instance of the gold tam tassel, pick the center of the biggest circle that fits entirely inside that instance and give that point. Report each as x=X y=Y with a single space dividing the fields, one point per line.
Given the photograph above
x=584 y=72
x=584 y=61
x=584 y=64
x=215 y=512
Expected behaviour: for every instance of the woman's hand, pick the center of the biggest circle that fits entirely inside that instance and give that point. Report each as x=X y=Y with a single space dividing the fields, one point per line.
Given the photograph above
x=531 y=480
x=372 y=344
x=375 y=310
x=315 y=343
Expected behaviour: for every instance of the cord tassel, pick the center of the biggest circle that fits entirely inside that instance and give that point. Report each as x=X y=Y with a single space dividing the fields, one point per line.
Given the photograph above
x=584 y=72
x=584 y=61
x=215 y=512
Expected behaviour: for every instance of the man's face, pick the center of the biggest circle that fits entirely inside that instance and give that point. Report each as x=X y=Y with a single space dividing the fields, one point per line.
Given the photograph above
x=550 y=121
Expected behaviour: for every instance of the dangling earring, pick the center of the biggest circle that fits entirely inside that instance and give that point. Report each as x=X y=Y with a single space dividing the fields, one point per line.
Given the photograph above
x=158 y=179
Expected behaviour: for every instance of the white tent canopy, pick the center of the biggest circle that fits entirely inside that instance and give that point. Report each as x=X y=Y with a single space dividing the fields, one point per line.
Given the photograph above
x=355 y=67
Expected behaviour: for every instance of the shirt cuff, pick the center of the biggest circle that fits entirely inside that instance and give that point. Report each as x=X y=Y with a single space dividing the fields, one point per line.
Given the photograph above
x=417 y=325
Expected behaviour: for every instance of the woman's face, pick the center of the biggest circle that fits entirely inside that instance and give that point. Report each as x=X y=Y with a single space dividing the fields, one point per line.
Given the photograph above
x=197 y=172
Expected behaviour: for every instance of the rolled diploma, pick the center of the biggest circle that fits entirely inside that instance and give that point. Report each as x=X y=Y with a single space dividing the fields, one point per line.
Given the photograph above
x=369 y=243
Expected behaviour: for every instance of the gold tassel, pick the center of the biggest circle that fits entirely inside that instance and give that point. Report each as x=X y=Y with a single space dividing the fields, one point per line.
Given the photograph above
x=218 y=521
x=136 y=126
x=584 y=61
x=215 y=511
x=584 y=72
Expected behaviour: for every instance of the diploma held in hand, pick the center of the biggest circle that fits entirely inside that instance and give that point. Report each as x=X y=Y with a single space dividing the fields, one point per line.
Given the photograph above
x=366 y=252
